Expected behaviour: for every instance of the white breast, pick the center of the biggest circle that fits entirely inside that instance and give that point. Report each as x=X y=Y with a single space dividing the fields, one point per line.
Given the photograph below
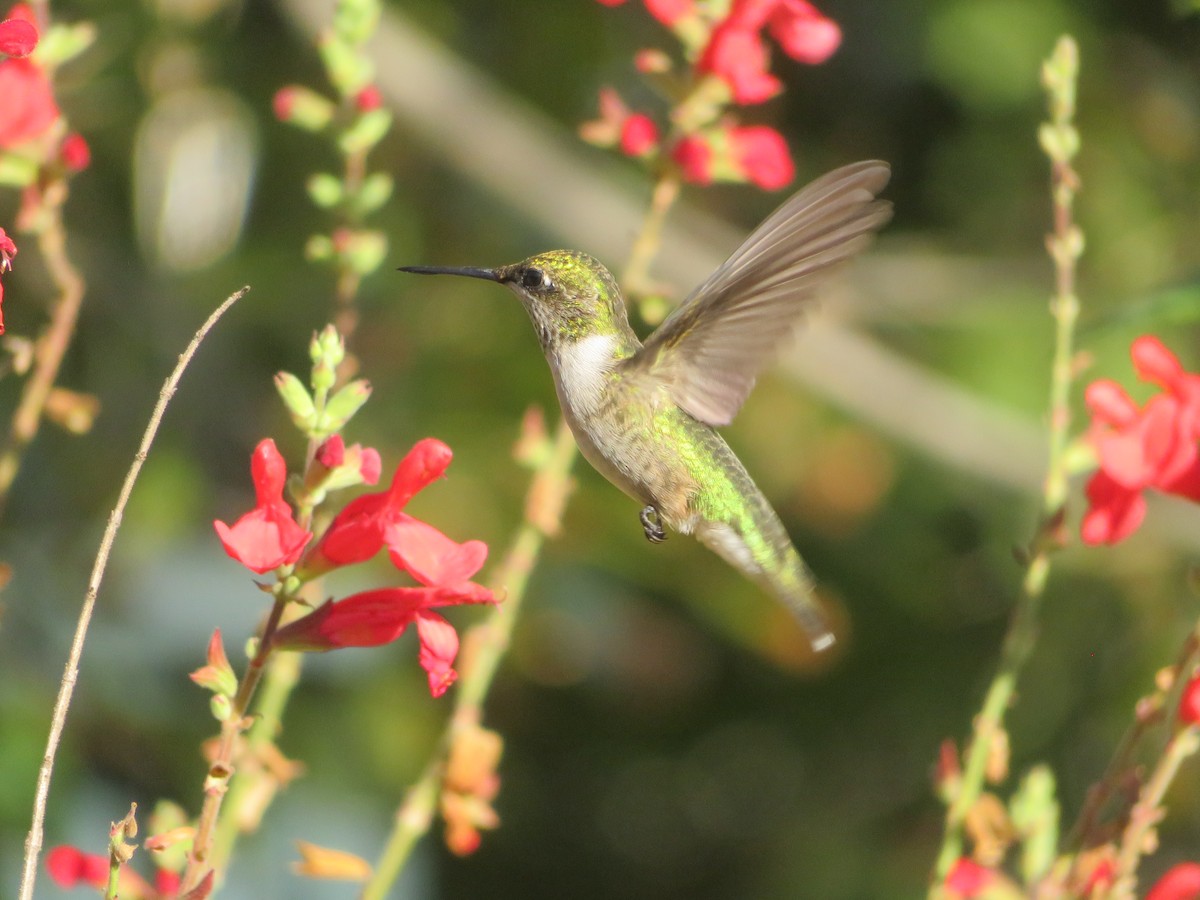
x=583 y=368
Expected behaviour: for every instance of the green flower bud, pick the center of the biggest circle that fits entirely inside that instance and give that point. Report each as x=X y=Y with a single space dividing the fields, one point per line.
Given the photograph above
x=221 y=707
x=325 y=190
x=319 y=248
x=374 y=192
x=296 y=399
x=355 y=20
x=346 y=68
x=365 y=131
x=343 y=405
x=366 y=252
x=302 y=107
x=17 y=171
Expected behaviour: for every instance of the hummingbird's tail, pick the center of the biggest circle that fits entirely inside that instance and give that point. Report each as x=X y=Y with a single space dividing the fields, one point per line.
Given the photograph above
x=782 y=573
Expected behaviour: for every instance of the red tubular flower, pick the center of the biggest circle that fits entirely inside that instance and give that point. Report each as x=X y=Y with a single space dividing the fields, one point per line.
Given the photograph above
x=28 y=108
x=738 y=56
x=368 y=99
x=803 y=32
x=69 y=866
x=1181 y=882
x=762 y=156
x=268 y=536
x=1154 y=446
x=967 y=878
x=18 y=37
x=639 y=135
x=372 y=618
x=1189 y=702
x=368 y=619
x=75 y=153
x=357 y=533
x=694 y=157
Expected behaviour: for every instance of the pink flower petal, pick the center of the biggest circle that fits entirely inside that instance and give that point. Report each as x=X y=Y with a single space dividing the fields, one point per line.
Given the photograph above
x=439 y=647
x=430 y=556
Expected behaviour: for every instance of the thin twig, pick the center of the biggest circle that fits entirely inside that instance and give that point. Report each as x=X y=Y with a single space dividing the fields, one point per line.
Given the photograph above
x=33 y=843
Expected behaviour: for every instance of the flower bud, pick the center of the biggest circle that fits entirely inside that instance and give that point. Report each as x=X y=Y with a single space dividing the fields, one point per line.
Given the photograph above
x=303 y=108
x=343 y=405
x=296 y=399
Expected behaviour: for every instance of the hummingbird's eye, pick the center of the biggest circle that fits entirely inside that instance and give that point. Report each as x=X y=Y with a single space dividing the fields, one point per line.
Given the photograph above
x=535 y=279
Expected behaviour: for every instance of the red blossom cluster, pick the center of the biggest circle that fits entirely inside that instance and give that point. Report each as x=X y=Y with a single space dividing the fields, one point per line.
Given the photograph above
x=70 y=867
x=269 y=537
x=29 y=111
x=729 y=63
x=30 y=131
x=1141 y=447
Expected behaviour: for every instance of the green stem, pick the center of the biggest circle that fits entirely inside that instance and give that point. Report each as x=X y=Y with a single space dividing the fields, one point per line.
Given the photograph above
x=1064 y=245
x=1148 y=811
x=488 y=642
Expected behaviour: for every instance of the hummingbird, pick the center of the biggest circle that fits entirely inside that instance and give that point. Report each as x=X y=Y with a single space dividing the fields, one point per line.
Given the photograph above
x=645 y=414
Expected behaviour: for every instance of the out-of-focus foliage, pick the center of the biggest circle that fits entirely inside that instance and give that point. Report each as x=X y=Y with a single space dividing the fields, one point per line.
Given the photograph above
x=666 y=733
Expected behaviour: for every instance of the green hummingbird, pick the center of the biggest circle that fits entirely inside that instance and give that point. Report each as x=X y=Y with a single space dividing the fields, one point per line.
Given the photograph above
x=645 y=414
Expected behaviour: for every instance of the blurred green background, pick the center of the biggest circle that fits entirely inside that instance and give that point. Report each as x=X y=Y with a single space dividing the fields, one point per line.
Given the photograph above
x=667 y=735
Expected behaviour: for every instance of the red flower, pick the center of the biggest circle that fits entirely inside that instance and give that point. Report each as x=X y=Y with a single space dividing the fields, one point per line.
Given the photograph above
x=804 y=33
x=28 y=108
x=694 y=157
x=1181 y=882
x=1189 y=702
x=372 y=618
x=738 y=57
x=368 y=619
x=639 y=135
x=69 y=867
x=762 y=156
x=967 y=878
x=334 y=454
x=368 y=99
x=75 y=153
x=1154 y=446
x=357 y=533
x=18 y=36
x=268 y=536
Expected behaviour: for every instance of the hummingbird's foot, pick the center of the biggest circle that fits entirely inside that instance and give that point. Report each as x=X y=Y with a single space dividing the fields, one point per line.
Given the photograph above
x=652 y=525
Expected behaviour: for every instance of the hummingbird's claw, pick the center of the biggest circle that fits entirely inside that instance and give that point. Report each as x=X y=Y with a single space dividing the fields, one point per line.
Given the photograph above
x=652 y=525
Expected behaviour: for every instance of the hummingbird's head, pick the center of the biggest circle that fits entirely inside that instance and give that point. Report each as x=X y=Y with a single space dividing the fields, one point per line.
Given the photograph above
x=568 y=295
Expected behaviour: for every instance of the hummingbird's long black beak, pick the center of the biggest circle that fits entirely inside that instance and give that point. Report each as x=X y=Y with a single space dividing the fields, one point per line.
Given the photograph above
x=468 y=271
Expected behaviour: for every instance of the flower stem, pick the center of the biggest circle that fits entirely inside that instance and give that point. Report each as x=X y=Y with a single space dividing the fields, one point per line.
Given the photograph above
x=1065 y=244
x=52 y=346
x=487 y=644
x=222 y=767
x=1147 y=812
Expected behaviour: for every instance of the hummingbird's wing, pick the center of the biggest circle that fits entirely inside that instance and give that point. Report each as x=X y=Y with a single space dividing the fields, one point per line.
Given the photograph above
x=708 y=352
